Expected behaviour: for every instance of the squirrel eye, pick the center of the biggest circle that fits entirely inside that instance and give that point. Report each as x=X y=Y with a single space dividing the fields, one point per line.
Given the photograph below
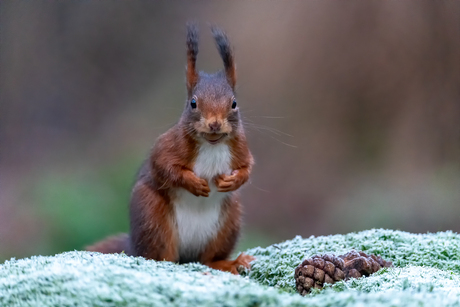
x=234 y=104
x=193 y=103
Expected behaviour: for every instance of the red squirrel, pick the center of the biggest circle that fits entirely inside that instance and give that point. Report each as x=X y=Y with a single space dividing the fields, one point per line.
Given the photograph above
x=184 y=205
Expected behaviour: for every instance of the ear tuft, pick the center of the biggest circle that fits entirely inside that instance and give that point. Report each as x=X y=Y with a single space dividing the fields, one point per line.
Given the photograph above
x=226 y=53
x=192 y=51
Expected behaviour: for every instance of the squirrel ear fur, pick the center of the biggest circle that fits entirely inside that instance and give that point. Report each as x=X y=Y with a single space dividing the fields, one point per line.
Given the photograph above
x=192 y=51
x=226 y=53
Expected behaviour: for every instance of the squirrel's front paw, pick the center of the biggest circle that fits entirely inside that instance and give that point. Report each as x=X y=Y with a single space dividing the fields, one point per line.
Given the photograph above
x=226 y=183
x=201 y=188
x=196 y=186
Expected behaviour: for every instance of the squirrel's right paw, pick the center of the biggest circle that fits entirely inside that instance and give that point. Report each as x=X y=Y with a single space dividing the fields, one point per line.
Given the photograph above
x=200 y=187
x=195 y=185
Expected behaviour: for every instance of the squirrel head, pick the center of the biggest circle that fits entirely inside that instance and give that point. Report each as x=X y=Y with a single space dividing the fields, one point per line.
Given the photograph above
x=211 y=112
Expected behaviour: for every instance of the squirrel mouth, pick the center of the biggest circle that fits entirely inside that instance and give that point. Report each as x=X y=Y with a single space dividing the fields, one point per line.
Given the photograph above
x=214 y=138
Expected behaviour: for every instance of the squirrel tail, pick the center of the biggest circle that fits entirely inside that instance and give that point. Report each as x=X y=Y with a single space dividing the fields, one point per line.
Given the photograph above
x=114 y=244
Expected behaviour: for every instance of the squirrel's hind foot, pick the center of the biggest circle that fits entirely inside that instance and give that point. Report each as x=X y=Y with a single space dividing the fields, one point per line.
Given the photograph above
x=232 y=266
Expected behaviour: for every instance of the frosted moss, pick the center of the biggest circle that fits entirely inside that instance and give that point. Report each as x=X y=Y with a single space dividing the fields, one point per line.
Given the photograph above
x=92 y=279
x=426 y=273
x=275 y=264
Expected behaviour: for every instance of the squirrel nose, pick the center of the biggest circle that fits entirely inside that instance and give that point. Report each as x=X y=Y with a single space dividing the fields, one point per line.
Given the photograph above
x=215 y=126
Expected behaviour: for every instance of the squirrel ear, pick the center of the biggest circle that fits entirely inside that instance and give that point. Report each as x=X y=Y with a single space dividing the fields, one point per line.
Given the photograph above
x=226 y=53
x=192 y=51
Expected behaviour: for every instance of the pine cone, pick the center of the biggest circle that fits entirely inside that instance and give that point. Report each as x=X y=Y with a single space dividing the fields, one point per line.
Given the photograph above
x=317 y=270
x=358 y=264
x=314 y=272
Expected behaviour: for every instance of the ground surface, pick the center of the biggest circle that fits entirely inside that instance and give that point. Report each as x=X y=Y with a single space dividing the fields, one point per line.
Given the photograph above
x=426 y=273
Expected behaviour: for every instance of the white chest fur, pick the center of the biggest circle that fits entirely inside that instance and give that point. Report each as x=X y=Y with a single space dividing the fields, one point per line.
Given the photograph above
x=198 y=217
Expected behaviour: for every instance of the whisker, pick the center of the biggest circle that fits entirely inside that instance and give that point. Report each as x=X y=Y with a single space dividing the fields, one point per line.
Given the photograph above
x=261 y=131
x=246 y=110
x=260 y=189
x=270 y=117
x=273 y=130
x=263 y=128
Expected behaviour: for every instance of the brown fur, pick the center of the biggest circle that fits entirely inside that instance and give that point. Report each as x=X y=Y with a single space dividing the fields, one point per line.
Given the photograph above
x=154 y=233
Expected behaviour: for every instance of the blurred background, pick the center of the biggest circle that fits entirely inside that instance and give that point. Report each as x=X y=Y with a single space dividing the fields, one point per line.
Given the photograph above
x=352 y=110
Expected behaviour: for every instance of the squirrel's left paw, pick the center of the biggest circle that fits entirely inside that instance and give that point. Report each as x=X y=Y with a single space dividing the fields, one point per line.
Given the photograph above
x=226 y=183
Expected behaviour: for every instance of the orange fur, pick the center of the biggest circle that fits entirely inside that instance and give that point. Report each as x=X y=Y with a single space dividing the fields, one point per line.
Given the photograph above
x=232 y=266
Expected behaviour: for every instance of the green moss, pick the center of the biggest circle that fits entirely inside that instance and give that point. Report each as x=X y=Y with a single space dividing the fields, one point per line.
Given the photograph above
x=426 y=273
